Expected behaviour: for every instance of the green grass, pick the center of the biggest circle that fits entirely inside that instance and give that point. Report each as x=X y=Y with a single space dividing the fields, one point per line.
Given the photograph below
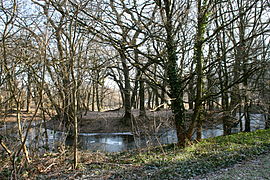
x=258 y=168
x=204 y=157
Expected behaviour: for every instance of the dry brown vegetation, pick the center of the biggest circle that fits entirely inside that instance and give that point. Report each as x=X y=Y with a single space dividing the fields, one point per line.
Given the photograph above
x=111 y=122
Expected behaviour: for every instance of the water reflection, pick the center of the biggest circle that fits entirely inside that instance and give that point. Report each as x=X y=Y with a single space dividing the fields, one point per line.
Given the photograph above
x=42 y=139
x=106 y=142
x=212 y=132
x=257 y=122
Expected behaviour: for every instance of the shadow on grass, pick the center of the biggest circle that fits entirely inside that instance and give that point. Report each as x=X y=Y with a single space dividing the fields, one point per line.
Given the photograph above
x=207 y=156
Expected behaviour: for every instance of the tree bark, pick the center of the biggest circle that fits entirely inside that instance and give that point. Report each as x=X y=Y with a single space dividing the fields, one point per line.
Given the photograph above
x=267 y=119
x=201 y=27
x=126 y=91
x=142 y=99
x=174 y=81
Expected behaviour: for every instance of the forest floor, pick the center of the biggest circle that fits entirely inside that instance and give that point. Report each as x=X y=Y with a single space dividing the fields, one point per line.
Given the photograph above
x=237 y=156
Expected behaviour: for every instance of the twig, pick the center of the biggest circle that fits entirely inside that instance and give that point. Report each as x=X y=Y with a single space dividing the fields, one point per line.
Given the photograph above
x=48 y=167
x=5 y=147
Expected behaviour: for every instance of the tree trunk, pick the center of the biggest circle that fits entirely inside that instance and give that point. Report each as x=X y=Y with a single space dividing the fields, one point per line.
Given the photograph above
x=201 y=26
x=267 y=119
x=226 y=125
x=97 y=92
x=174 y=79
x=243 y=55
x=87 y=101
x=149 y=98
x=246 y=115
x=93 y=96
x=191 y=91
x=135 y=89
x=20 y=130
x=75 y=118
x=156 y=99
x=223 y=80
x=142 y=99
x=163 y=100
x=127 y=104
x=28 y=98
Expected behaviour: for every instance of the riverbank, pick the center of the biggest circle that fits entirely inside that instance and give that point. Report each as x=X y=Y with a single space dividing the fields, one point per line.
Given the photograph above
x=164 y=162
x=107 y=121
x=113 y=122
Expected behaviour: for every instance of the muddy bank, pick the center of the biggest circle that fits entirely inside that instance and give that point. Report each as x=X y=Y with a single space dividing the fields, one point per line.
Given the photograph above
x=112 y=122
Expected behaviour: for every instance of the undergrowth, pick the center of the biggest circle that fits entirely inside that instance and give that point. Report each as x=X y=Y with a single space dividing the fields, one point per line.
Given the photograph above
x=166 y=162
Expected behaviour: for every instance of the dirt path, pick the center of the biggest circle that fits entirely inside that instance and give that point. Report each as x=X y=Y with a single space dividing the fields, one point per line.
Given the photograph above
x=257 y=168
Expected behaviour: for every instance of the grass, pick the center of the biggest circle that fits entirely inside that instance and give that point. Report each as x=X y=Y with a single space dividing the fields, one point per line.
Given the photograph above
x=204 y=157
x=168 y=162
x=258 y=168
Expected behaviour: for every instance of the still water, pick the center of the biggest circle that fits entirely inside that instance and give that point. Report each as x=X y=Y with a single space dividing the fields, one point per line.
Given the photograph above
x=39 y=138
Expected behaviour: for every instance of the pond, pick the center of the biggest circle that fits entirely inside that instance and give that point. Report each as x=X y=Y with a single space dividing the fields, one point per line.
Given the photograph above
x=41 y=139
